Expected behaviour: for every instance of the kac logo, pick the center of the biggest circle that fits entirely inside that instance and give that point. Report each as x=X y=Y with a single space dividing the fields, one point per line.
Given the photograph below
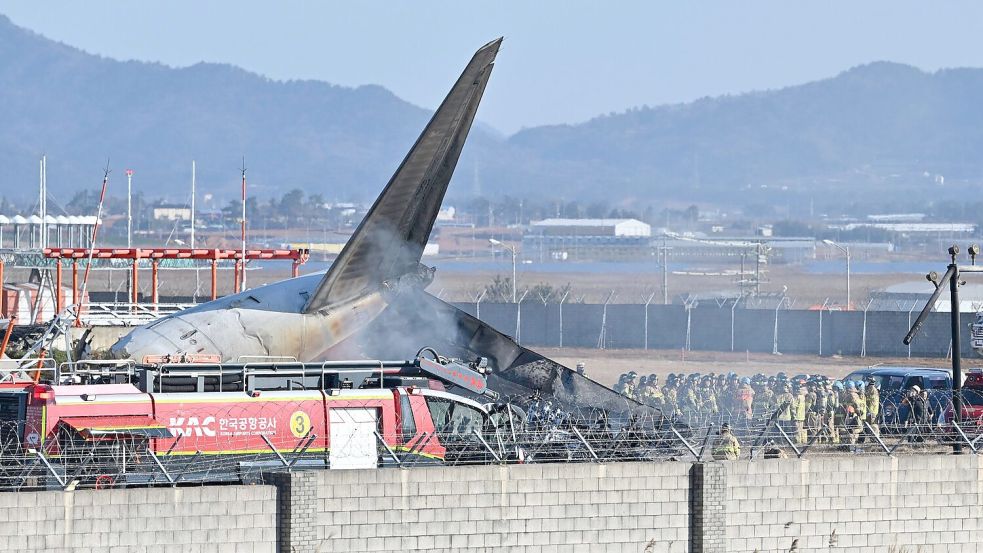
x=192 y=426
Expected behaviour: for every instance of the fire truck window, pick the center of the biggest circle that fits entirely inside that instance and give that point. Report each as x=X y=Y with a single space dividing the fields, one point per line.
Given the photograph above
x=465 y=419
x=407 y=425
x=440 y=412
x=453 y=419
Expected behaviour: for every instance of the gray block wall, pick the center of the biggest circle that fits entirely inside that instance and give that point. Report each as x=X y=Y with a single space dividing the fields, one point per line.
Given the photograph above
x=924 y=503
x=577 y=507
x=865 y=504
x=179 y=520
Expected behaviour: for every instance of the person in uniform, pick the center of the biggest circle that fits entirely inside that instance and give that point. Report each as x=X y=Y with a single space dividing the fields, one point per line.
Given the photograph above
x=745 y=396
x=814 y=407
x=727 y=447
x=650 y=394
x=784 y=401
x=671 y=398
x=622 y=386
x=832 y=409
x=856 y=410
x=764 y=399
x=799 y=409
x=873 y=399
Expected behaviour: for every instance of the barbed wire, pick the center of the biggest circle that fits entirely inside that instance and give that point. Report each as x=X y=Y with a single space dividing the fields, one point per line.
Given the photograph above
x=240 y=444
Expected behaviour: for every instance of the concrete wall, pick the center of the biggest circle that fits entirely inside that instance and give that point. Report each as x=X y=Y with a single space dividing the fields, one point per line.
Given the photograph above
x=865 y=504
x=710 y=328
x=179 y=520
x=923 y=503
x=580 y=507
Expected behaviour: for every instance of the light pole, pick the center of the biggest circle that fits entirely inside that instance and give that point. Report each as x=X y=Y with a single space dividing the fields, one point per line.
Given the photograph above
x=511 y=249
x=846 y=252
x=129 y=208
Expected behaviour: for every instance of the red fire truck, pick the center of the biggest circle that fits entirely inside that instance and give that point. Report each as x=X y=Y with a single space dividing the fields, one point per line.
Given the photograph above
x=188 y=416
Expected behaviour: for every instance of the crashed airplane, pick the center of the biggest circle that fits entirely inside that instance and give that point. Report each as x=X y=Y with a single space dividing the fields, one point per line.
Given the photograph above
x=371 y=301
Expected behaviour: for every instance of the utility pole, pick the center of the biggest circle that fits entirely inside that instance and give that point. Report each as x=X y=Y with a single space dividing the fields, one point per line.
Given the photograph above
x=846 y=252
x=129 y=208
x=193 y=174
x=665 y=271
x=511 y=250
x=242 y=281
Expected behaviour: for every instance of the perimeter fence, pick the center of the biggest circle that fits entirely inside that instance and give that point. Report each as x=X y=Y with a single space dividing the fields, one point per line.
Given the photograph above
x=239 y=445
x=722 y=326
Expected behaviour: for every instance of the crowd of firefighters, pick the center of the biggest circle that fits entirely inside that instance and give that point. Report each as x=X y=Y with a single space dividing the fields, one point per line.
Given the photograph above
x=807 y=408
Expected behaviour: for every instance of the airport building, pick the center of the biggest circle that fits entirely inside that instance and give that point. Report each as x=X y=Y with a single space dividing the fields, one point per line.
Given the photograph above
x=587 y=240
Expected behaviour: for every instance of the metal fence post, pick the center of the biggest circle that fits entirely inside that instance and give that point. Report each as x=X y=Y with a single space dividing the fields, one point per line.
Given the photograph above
x=602 y=337
x=477 y=304
x=647 y=302
x=732 y=308
x=518 y=317
x=821 y=309
x=774 y=347
x=863 y=337
x=563 y=299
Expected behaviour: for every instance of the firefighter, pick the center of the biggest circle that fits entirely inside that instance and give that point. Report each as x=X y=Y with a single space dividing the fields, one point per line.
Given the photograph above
x=873 y=399
x=832 y=409
x=727 y=447
x=784 y=401
x=709 y=396
x=799 y=410
x=814 y=407
x=745 y=397
x=632 y=384
x=650 y=394
x=671 y=397
x=764 y=398
x=622 y=386
x=856 y=410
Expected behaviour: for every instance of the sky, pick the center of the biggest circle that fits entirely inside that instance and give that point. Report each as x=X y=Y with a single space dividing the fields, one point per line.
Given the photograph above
x=562 y=61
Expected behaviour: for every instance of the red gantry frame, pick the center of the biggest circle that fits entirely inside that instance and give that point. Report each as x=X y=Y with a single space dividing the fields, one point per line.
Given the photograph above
x=298 y=257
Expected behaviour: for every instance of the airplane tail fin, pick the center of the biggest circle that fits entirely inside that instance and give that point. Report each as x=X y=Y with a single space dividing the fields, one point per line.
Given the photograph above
x=389 y=242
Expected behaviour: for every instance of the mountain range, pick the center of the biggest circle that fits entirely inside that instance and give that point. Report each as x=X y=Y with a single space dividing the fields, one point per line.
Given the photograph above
x=877 y=131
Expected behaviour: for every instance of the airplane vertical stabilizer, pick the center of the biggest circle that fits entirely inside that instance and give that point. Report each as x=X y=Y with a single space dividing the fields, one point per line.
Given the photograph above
x=389 y=242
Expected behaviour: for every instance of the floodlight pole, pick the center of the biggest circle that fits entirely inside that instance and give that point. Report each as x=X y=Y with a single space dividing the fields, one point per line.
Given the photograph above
x=846 y=252
x=511 y=249
x=951 y=277
x=129 y=208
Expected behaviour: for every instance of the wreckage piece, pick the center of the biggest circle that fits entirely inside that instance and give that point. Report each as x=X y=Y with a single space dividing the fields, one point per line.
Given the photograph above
x=517 y=372
x=302 y=318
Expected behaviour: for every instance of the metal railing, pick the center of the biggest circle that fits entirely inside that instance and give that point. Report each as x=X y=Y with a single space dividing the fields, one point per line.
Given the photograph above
x=127 y=314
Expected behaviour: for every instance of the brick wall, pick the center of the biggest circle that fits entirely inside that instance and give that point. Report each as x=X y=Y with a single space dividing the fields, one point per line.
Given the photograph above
x=921 y=504
x=179 y=520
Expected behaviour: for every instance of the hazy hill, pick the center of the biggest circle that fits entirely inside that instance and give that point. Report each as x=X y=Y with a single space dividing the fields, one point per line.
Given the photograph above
x=869 y=133
x=80 y=108
x=874 y=128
